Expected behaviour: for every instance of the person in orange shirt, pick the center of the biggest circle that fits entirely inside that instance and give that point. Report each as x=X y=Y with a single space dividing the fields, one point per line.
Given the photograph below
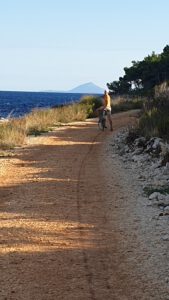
x=107 y=107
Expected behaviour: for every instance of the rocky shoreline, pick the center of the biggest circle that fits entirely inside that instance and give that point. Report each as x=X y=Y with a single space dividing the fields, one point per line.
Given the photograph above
x=148 y=160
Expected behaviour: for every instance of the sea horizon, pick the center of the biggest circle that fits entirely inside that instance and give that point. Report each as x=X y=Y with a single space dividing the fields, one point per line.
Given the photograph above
x=18 y=103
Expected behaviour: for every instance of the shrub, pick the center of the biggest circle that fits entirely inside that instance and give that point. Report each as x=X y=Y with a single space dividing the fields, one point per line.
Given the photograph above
x=120 y=104
x=133 y=134
x=155 y=122
x=91 y=103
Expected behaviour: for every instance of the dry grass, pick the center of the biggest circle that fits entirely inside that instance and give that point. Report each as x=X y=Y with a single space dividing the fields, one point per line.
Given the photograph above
x=125 y=103
x=40 y=120
x=75 y=112
x=155 y=122
x=13 y=133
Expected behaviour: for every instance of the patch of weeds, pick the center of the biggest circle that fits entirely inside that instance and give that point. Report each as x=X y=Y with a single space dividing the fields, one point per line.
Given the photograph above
x=5 y=147
x=56 y=125
x=165 y=159
x=132 y=136
x=36 y=132
x=164 y=190
x=6 y=154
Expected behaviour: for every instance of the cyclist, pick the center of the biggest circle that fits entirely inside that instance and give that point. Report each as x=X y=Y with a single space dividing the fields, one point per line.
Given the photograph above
x=107 y=107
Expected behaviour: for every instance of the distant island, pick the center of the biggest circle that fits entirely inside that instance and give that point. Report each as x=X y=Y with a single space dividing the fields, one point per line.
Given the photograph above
x=89 y=88
x=86 y=88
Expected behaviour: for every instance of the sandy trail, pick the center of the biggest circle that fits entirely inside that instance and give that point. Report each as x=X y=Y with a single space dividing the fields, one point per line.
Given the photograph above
x=61 y=233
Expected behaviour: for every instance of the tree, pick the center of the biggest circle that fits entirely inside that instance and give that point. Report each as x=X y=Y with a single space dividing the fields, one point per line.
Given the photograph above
x=143 y=76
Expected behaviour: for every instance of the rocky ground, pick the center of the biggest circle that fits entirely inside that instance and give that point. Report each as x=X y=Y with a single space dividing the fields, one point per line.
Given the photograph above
x=149 y=160
x=147 y=168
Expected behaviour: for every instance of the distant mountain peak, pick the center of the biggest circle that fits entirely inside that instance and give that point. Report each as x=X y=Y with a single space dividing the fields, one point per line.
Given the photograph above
x=88 y=88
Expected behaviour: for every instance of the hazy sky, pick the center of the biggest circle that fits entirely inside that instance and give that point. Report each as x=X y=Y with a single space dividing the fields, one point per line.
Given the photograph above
x=59 y=44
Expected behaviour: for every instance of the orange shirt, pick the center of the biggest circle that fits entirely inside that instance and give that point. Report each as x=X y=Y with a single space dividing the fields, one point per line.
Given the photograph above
x=107 y=101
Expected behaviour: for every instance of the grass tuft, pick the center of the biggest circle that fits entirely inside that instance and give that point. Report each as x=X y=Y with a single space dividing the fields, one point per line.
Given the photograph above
x=164 y=190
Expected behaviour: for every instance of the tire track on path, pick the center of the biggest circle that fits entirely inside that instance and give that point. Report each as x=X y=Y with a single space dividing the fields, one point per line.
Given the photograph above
x=81 y=200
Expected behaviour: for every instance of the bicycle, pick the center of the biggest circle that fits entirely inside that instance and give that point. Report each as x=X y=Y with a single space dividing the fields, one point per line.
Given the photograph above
x=102 y=119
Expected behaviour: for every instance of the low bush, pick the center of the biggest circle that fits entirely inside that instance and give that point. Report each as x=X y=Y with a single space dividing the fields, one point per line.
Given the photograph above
x=162 y=190
x=91 y=104
x=121 y=104
x=155 y=122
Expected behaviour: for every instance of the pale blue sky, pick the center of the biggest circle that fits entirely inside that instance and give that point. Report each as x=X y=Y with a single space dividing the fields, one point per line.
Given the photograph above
x=59 y=44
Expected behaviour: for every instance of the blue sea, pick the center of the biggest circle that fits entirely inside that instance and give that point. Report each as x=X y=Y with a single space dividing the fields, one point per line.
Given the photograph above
x=16 y=104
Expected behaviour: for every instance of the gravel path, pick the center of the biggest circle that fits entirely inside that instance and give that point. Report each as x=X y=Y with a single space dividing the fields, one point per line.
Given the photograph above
x=74 y=224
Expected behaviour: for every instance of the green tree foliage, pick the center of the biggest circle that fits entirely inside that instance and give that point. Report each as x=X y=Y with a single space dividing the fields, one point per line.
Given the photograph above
x=143 y=76
x=120 y=87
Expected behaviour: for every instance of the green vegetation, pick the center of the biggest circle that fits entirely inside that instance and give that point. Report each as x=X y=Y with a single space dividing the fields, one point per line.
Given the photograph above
x=147 y=78
x=120 y=104
x=91 y=103
x=155 y=119
x=155 y=122
x=143 y=76
x=162 y=190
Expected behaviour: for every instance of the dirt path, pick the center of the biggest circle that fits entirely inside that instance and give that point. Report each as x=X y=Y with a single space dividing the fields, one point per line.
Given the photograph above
x=62 y=209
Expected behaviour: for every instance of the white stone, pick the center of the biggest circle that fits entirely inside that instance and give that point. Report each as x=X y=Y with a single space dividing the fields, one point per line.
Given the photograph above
x=166 y=209
x=157 y=196
x=156 y=143
x=140 y=140
x=164 y=148
x=165 y=238
x=138 y=151
x=166 y=172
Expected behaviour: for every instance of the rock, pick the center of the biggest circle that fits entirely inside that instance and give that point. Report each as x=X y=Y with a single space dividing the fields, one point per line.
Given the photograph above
x=122 y=152
x=138 y=151
x=126 y=148
x=149 y=161
x=166 y=210
x=154 y=202
x=136 y=158
x=166 y=169
x=165 y=238
x=167 y=281
x=167 y=165
x=140 y=142
x=140 y=158
x=156 y=164
x=159 y=182
x=157 y=196
x=167 y=197
x=164 y=148
x=164 y=201
x=156 y=144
